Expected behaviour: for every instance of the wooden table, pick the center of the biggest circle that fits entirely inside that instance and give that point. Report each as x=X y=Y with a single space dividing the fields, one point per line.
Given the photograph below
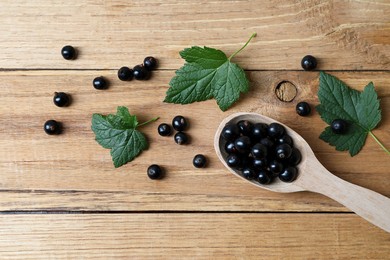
x=61 y=197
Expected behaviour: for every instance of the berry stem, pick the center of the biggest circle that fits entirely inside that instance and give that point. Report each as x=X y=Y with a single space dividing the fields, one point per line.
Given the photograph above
x=147 y=122
x=234 y=54
x=380 y=144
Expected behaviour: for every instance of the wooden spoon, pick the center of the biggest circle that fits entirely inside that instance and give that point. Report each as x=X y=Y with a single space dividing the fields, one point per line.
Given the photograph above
x=313 y=176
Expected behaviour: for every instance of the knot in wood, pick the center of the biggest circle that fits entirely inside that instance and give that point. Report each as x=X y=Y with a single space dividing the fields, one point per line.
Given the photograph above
x=286 y=91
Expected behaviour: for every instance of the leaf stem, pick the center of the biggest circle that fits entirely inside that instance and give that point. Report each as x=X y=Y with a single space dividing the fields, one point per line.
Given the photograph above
x=147 y=122
x=234 y=54
x=380 y=144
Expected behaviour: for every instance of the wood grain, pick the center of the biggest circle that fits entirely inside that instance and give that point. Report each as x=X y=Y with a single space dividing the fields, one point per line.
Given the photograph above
x=72 y=172
x=191 y=236
x=192 y=213
x=344 y=35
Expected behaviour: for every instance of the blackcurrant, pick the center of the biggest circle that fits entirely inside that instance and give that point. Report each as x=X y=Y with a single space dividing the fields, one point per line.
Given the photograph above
x=233 y=160
x=125 y=74
x=181 y=138
x=52 y=127
x=309 y=62
x=275 y=130
x=230 y=148
x=155 y=172
x=283 y=151
x=275 y=167
x=248 y=173
x=150 y=63
x=230 y=132
x=259 y=130
x=100 y=83
x=260 y=163
x=245 y=127
x=289 y=174
x=264 y=177
x=68 y=52
x=303 y=109
x=199 y=161
x=140 y=73
x=179 y=123
x=339 y=126
x=164 y=129
x=284 y=139
x=61 y=99
x=243 y=144
x=246 y=161
x=295 y=157
x=267 y=142
x=259 y=151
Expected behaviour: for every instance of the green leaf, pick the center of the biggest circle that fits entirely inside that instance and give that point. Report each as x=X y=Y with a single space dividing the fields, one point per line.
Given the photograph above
x=191 y=83
x=131 y=143
x=208 y=58
x=118 y=133
x=231 y=82
x=360 y=109
x=208 y=73
x=128 y=120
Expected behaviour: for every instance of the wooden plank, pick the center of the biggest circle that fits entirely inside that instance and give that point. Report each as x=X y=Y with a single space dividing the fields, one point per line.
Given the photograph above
x=72 y=172
x=352 y=35
x=189 y=236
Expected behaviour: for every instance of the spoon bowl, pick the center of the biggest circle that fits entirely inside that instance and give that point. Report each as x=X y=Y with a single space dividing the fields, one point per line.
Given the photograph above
x=313 y=176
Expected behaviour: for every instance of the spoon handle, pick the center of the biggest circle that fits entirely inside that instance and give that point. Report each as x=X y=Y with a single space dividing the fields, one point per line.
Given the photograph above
x=366 y=203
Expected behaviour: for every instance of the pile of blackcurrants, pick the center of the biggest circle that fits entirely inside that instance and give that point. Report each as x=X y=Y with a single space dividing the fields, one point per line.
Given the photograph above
x=139 y=72
x=260 y=152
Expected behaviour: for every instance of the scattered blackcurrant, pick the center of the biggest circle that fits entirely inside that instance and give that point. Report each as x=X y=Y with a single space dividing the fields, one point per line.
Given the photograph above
x=52 y=127
x=61 y=99
x=68 y=52
x=181 y=138
x=140 y=73
x=179 y=123
x=164 y=129
x=303 y=109
x=199 y=161
x=309 y=62
x=339 y=126
x=155 y=172
x=125 y=74
x=100 y=83
x=150 y=63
